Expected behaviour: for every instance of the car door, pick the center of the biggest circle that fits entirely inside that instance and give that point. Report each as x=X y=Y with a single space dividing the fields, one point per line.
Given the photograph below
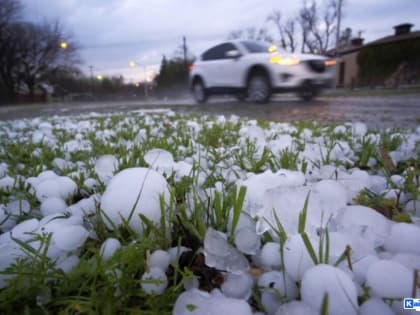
x=231 y=68
x=217 y=65
x=210 y=65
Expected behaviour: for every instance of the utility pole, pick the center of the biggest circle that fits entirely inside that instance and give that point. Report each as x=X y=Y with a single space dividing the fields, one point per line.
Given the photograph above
x=184 y=49
x=337 y=40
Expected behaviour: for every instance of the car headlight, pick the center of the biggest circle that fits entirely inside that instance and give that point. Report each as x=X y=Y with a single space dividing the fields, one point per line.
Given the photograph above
x=330 y=62
x=285 y=61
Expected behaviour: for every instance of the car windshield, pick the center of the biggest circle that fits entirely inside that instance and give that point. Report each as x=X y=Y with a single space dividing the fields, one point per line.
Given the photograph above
x=255 y=47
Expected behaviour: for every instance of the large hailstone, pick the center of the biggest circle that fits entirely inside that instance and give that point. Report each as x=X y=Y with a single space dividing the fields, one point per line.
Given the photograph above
x=109 y=247
x=389 y=279
x=122 y=192
x=296 y=257
x=159 y=159
x=326 y=279
x=375 y=306
x=105 y=167
x=295 y=308
x=154 y=281
x=195 y=302
x=238 y=286
x=403 y=238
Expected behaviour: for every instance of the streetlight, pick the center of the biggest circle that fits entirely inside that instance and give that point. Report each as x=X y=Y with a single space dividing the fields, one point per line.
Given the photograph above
x=63 y=45
x=99 y=77
x=133 y=64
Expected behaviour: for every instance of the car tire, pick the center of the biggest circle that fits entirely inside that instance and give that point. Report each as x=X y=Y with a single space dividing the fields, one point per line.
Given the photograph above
x=258 y=89
x=308 y=92
x=199 y=92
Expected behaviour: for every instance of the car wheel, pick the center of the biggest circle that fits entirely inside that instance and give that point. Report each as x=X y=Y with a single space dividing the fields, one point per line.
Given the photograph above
x=308 y=92
x=258 y=89
x=199 y=92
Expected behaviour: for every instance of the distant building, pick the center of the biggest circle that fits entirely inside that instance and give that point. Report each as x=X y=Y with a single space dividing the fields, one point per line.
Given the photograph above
x=41 y=94
x=348 y=72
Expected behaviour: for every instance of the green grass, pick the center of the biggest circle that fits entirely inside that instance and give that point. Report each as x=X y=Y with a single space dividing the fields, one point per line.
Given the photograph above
x=214 y=149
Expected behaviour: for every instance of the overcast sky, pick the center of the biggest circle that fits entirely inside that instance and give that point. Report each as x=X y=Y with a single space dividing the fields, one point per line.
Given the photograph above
x=113 y=32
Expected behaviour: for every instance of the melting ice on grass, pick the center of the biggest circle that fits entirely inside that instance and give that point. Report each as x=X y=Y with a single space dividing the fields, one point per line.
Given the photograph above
x=132 y=192
x=195 y=302
x=220 y=255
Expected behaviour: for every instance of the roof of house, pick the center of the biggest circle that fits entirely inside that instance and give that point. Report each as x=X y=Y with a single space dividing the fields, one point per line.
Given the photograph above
x=384 y=40
x=394 y=38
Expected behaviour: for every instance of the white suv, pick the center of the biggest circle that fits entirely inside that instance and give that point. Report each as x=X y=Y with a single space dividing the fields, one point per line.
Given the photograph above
x=252 y=70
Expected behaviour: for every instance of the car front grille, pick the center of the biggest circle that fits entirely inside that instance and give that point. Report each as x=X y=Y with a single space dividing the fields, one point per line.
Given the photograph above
x=316 y=65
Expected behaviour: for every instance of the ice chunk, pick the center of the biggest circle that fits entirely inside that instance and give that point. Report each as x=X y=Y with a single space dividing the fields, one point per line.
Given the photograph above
x=361 y=266
x=296 y=257
x=375 y=306
x=23 y=231
x=270 y=255
x=60 y=187
x=6 y=183
x=3 y=169
x=132 y=192
x=219 y=254
x=365 y=222
x=288 y=203
x=326 y=279
x=105 y=167
x=109 y=247
x=18 y=207
x=7 y=219
x=280 y=144
x=160 y=258
x=195 y=302
x=277 y=282
x=247 y=241
x=238 y=286
x=257 y=185
x=90 y=183
x=159 y=159
x=53 y=205
x=154 y=281
x=296 y=308
x=176 y=252
x=67 y=263
x=215 y=243
x=69 y=238
x=333 y=195
x=411 y=261
x=359 y=129
x=389 y=279
x=404 y=238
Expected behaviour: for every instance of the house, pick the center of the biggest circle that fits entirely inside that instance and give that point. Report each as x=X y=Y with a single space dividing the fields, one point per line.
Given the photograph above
x=399 y=70
x=41 y=94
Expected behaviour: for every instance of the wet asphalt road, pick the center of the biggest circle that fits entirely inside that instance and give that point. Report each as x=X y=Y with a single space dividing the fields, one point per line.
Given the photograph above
x=377 y=112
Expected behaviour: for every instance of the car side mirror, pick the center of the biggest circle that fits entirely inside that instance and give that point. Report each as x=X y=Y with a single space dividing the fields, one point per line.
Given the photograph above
x=233 y=54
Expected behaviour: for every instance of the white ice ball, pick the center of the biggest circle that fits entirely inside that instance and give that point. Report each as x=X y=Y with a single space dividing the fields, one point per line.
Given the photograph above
x=154 y=281
x=134 y=191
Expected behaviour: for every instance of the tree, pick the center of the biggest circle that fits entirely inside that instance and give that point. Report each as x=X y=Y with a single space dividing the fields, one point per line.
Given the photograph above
x=251 y=33
x=317 y=27
x=42 y=54
x=30 y=53
x=9 y=11
x=286 y=31
x=345 y=37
